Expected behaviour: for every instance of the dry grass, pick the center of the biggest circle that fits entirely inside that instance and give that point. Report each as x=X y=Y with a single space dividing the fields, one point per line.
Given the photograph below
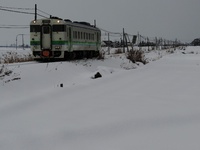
x=101 y=55
x=136 y=56
x=118 y=51
x=13 y=57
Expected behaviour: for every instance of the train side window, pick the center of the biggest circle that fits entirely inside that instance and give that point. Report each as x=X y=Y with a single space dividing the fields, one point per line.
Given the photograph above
x=89 y=36
x=75 y=35
x=35 y=28
x=97 y=36
x=81 y=35
x=78 y=35
x=67 y=32
x=93 y=37
x=84 y=36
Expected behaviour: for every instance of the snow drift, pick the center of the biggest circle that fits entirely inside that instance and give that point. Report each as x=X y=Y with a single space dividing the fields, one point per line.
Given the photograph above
x=153 y=107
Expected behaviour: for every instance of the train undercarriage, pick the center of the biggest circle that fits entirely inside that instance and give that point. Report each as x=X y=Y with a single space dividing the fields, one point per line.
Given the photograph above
x=47 y=55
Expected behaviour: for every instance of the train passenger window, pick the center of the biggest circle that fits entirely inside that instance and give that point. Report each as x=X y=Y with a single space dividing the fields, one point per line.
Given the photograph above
x=59 y=28
x=84 y=36
x=67 y=32
x=35 y=28
x=75 y=35
x=98 y=36
x=89 y=36
x=78 y=35
x=92 y=36
x=81 y=35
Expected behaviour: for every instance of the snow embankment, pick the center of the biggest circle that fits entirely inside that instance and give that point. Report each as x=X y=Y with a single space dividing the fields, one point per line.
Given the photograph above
x=153 y=107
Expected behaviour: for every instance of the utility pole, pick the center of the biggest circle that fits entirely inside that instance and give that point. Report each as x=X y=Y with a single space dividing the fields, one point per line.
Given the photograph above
x=138 y=42
x=123 y=41
x=109 y=43
x=22 y=40
x=95 y=23
x=35 y=11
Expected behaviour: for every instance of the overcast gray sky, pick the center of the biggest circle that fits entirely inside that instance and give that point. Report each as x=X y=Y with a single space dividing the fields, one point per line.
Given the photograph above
x=169 y=19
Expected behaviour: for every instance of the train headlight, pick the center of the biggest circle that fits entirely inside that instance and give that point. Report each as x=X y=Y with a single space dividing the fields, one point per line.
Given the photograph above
x=58 y=21
x=58 y=47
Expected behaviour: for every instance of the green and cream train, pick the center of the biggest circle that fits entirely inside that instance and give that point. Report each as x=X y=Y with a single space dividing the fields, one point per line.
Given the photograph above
x=55 y=38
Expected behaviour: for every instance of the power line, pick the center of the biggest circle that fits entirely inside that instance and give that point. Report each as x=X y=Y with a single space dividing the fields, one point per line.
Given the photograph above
x=13 y=27
x=110 y=31
x=42 y=16
x=16 y=8
x=43 y=12
x=3 y=26
x=16 y=11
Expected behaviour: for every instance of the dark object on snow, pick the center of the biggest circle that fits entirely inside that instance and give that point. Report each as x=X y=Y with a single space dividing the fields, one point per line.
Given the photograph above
x=196 y=42
x=61 y=85
x=97 y=75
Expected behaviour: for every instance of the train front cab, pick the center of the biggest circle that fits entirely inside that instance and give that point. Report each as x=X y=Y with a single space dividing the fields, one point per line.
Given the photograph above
x=48 y=39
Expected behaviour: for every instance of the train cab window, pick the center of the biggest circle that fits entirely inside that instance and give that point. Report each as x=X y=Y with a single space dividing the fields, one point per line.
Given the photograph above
x=35 y=28
x=59 y=28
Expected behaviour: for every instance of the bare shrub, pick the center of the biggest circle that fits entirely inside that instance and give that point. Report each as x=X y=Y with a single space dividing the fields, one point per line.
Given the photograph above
x=171 y=51
x=7 y=75
x=118 y=51
x=1 y=70
x=13 y=57
x=136 y=56
x=101 y=55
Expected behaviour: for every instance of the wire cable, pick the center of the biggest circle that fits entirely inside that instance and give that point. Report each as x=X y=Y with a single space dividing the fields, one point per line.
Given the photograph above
x=44 y=12
x=16 y=11
x=16 y=8
x=13 y=26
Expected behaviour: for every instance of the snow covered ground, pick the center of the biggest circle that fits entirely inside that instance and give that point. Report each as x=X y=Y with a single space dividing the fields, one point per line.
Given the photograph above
x=152 y=107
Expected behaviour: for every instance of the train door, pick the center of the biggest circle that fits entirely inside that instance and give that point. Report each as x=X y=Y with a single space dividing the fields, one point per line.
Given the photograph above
x=46 y=37
x=97 y=42
x=70 y=39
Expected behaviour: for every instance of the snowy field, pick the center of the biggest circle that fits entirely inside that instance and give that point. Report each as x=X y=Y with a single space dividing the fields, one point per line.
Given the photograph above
x=132 y=107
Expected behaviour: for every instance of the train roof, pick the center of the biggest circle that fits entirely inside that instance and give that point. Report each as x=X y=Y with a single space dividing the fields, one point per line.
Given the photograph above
x=57 y=20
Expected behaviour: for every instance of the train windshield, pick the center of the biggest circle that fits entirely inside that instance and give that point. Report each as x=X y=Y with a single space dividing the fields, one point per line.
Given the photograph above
x=59 y=28
x=35 y=28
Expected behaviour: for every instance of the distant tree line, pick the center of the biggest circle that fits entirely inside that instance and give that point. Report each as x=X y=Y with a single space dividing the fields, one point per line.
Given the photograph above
x=14 y=45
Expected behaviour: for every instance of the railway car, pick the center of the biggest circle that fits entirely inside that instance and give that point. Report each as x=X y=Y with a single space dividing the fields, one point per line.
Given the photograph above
x=54 y=38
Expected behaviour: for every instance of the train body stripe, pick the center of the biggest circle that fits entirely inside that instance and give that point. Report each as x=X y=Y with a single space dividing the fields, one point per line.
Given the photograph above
x=83 y=43
x=59 y=42
x=33 y=43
